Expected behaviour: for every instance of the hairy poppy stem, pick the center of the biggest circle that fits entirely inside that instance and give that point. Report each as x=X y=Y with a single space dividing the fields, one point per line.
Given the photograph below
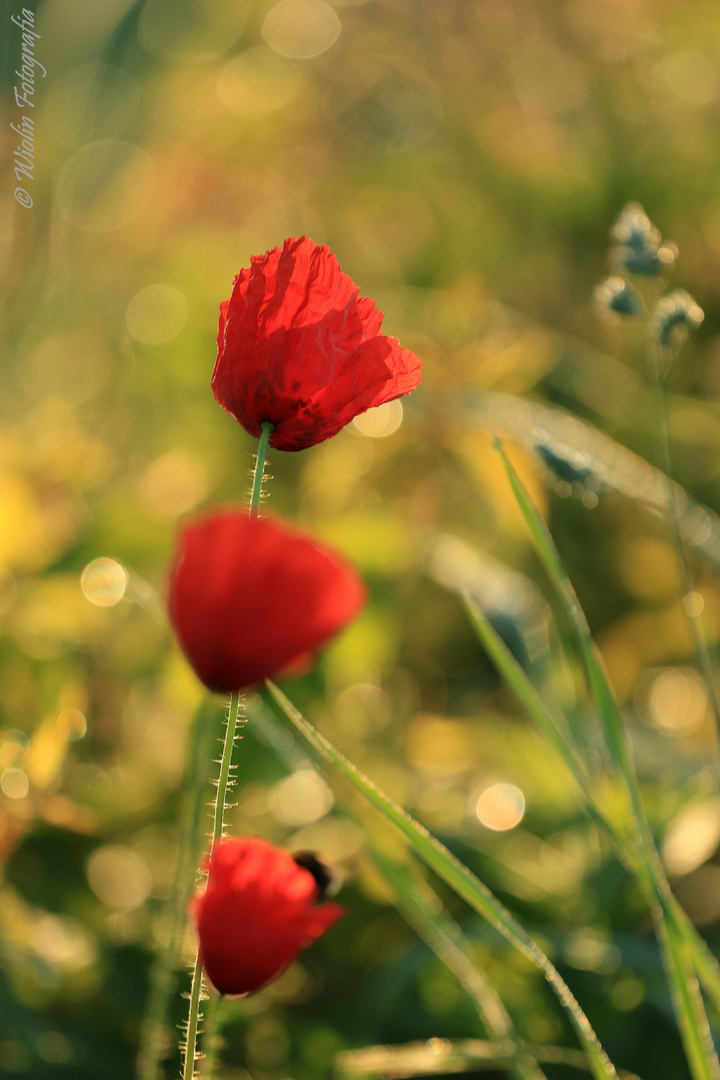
x=235 y=713
x=196 y=993
x=235 y=710
x=265 y=433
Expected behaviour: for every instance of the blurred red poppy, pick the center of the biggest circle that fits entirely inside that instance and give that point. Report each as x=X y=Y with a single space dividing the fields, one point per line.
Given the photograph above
x=249 y=597
x=257 y=913
x=299 y=348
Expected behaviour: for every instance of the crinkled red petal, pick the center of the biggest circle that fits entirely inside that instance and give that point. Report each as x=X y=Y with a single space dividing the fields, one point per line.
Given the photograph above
x=297 y=347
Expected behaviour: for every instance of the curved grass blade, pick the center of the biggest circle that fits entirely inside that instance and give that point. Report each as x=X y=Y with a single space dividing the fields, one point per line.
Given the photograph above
x=155 y=1034
x=676 y=952
x=559 y=734
x=611 y=463
x=460 y=879
x=443 y=1056
x=551 y=723
x=423 y=910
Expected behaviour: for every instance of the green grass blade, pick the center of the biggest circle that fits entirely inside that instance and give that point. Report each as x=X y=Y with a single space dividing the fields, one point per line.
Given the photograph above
x=462 y=1055
x=155 y=1031
x=671 y=932
x=558 y=732
x=614 y=730
x=423 y=909
x=551 y=723
x=459 y=878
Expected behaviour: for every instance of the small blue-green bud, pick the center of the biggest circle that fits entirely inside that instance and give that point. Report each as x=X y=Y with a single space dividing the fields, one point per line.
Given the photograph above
x=572 y=470
x=674 y=317
x=638 y=248
x=617 y=296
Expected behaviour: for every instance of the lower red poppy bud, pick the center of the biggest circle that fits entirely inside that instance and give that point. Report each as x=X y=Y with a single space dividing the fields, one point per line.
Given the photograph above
x=257 y=914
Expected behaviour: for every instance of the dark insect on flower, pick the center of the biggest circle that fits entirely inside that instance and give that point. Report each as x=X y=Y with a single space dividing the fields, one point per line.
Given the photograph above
x=309 y=861
x=258 y=912
x=251 y=597
x=298 y=348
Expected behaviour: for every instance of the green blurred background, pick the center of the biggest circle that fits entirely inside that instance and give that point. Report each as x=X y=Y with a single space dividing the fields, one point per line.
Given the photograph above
x=465 y=160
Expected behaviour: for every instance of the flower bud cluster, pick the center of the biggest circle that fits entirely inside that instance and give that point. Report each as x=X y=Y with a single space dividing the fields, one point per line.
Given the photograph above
x=674 y=316
x=618 y=297
x=637 y=247
x=638 y=251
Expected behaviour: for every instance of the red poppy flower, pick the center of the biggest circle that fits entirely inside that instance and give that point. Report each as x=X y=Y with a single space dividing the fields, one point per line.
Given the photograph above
x=249 y=597
x=299 y=348
x=257 y=913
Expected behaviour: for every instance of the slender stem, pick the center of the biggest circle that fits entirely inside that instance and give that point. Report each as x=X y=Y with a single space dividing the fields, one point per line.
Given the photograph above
x=423 y=910
x=693 y=610
x=224 y=781
x=237 y=701
x=265 y=433
x=196 y=993
x=212 y=1035
x=163 y=976
x=553 y=725
x=681 y=976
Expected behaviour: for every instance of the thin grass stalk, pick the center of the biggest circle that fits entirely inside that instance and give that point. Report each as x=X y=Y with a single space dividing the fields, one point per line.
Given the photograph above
x=154 y=1033
x=423 y=909
x=680 y=971
x=459 y=878
x=693 y=611
x=560 y=735
x=459 y=1056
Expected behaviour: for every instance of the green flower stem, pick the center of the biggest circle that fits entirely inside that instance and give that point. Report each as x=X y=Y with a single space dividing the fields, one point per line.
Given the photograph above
x=236 y=708
x=693 y=614
x=256 y=492
x=196 y=995
x=223 y=783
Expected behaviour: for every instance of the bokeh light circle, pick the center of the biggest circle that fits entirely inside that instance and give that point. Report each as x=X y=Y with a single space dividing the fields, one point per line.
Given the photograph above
x=500 y=807
x=103 y=581
x=301 y=29
x=156 y=314
x=258 y=82
x=14 y=783
x=381 y=421
x=119 y=877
